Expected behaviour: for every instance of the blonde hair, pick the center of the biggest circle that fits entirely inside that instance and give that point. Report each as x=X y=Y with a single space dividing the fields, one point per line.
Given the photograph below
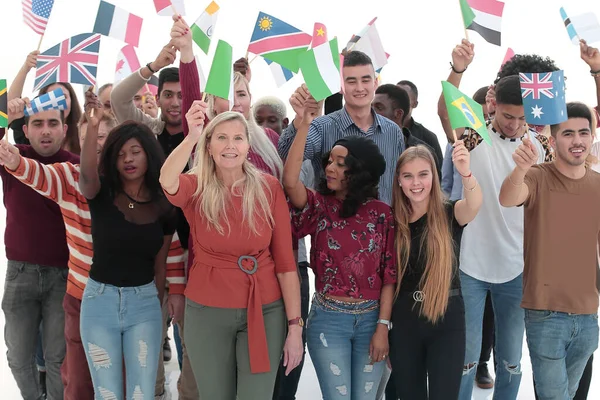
x=436 y=240
x=259 y=141
x=213 y=195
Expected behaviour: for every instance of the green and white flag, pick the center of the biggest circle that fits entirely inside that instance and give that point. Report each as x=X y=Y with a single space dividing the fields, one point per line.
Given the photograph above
x=220 y=77
x=204 y=26
x=320 y=67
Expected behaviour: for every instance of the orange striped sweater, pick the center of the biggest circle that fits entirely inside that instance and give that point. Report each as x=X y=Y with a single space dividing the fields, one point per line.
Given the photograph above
x=60 y=182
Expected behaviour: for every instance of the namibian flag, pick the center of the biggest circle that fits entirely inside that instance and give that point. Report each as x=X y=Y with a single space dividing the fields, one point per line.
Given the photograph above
x=3 y=104
x=278 y=41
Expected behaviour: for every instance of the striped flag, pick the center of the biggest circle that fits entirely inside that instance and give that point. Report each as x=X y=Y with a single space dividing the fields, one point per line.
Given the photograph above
x=321 y=70
x=319 y=35
x=484 y=18
x=164 y=9
x=3 y=104
x=203 y=28
x=36 y=14
x=220 y=77
x=583 y=26
x=369 y=42
x=117 y=23
x=281 y=74
x=51 y=100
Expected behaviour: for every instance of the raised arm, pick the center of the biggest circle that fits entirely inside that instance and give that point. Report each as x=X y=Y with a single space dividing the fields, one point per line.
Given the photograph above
x=16 y=87
x=591 y=56
x=514 y=191
x=466 y=209
x=177 y=160
x=462 y=56
x=294 y=188
x=89 y=180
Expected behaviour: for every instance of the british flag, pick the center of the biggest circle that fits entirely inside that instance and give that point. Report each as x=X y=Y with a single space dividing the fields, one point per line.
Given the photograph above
x=74 y=60
x=536 y=85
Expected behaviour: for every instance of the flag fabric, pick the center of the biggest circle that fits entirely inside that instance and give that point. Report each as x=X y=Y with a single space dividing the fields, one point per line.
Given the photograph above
x=544 y=97
x=127 y=63
x=464 y=112
x=3 y=104
x=117 y=23
x=203 y=28
x=584 y=26
x=278 y=41
x=321 y=70
x=220 y=77
x=74 y=60
x=153 y=85
x=484 y=18
x=319 y=35
x=52 y=100
x=281 y=74
x=510 y=53
x=369 y=42
x=164 y=9
x=36 y=14
x=201 y=76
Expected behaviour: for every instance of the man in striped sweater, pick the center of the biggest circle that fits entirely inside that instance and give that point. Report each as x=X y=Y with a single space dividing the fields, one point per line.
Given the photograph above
x=59 y=182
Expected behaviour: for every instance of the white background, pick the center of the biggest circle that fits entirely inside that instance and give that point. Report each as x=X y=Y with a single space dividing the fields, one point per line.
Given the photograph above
x=419 y=36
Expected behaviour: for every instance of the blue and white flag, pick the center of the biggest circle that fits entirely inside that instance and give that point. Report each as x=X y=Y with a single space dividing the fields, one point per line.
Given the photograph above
x=54 y=99
x=544 y=97
x=583 y=26
x=281 y=74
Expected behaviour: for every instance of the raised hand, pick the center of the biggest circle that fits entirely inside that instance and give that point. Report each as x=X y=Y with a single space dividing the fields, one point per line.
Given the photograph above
x=16 y=108
x=243 y=67
x=92 y=103
x=196 y=116
x=149 y=106
x=181 y=36
x=490 y=99
x=526 y=155
x=312 y=109
x=30 y=61
x=165 y=57
x=461 y=158
x=590 y=55
x=9 y=155
x=462 y=55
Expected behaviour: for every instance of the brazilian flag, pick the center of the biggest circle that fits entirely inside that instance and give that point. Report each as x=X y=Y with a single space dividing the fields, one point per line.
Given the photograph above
x=3 y=104
x=464 y=112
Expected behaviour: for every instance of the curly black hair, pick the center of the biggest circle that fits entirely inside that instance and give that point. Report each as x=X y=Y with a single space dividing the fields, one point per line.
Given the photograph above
x=531 y=63
x=107 y=165
x=364 y=168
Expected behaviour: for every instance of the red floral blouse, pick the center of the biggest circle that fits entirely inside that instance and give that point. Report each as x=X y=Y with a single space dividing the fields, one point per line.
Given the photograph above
x=351 y=257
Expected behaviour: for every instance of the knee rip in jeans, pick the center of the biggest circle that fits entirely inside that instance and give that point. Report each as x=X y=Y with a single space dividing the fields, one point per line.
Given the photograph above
x=323 y=340
x=368 y=387
x=468 y=368
x=368 y=368
x=107 y=394
x=100 y=357
x=512 y=369
x=137 y=393
x=335 y=369
x=343 y=390
x=143 y=355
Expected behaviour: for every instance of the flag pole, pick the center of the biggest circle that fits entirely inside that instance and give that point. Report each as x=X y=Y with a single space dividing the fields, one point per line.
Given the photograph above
x=203 y=96
x=253 y=58
x=247 y=54
x=463 y=20
x=40 y=42
x=174 y=9
x=148 y=88
x=454 y=135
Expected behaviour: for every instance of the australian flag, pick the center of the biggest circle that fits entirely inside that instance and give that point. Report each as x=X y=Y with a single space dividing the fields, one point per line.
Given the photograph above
x=74 y=60
x=54 y=99
x=544 y=97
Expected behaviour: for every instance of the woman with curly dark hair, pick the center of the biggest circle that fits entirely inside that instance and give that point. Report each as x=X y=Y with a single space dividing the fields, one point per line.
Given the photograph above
x=353 y=258
x=132 y=228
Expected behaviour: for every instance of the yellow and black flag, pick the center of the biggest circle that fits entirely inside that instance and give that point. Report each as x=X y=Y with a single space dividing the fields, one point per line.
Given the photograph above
x=3 y=104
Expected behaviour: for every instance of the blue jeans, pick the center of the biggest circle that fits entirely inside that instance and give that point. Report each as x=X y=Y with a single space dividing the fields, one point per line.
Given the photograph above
x=509 y=327
x=338 y=343
x=560 y=345
x=121 y=323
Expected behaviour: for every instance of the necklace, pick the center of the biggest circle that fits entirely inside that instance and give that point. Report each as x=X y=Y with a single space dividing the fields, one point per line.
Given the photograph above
x=133 y=202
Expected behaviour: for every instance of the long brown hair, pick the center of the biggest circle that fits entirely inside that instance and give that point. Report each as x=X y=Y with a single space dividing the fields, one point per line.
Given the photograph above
x=436 y=241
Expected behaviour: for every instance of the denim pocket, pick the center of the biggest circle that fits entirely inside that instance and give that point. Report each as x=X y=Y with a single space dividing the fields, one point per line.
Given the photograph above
x=311 y=314
x=64 y=274
x=12 y=270
x=538 y=315
x=147 y=291
x=92 y=289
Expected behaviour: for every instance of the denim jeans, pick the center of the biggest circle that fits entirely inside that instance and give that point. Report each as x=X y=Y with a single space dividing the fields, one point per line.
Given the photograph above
x=32 y=293
x=121 y=323
x=560 y=345
x=509 y=327
x=338 y=343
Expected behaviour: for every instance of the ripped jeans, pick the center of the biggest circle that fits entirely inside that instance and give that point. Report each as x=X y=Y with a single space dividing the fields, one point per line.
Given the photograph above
x=338 y=338
x=509 y=324
x=121 y=323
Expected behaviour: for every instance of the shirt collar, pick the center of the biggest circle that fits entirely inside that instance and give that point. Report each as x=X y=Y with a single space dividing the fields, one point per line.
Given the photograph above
x=346 y=120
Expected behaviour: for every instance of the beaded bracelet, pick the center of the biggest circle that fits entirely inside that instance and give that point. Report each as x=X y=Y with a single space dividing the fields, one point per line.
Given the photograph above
x=455 y=70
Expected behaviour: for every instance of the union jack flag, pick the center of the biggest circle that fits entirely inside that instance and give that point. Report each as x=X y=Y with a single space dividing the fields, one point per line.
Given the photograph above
x=536 y=85
x=74 y=60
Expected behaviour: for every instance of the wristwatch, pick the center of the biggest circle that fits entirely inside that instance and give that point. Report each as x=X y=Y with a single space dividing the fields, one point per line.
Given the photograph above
x=296 y=321
x=150 y=68
x=385 y=322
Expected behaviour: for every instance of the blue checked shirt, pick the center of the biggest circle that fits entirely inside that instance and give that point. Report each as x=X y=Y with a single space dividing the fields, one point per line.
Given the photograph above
x=326 y=130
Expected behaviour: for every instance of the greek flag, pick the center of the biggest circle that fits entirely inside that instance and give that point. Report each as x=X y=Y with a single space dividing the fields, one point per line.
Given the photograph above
x=54 y=99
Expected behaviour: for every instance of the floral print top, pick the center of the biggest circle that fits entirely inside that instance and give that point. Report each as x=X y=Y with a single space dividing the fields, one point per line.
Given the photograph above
x=351 y=257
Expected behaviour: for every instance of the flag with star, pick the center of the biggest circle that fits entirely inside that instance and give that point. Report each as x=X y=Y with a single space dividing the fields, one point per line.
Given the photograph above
x=464 y=112
x=3 y=104
x=544 y=97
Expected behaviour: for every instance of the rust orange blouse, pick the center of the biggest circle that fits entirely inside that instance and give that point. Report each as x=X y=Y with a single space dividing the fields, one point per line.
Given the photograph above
x=217 y=277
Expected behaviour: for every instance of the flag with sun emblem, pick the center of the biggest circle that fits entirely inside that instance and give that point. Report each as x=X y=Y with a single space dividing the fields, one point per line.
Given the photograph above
x=278 y=41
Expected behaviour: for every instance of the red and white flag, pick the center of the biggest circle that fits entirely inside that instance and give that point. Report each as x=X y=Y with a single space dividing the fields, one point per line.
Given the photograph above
x=319 y=35
x=488 y=19
x=164 y=9
x=118 y=23
x=127 y=63
x=510 y=53
x=369 y=42
x=36 y=14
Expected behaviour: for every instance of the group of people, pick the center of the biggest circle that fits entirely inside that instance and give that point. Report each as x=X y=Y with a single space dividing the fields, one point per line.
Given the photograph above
x=137 y=217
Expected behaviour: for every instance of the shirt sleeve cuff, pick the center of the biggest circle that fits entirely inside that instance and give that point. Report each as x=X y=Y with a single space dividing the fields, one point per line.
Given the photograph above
x=177 y=288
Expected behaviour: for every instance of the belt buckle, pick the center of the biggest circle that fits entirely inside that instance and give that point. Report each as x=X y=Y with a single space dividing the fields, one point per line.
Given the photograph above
x=245 y=260
x=418 y=296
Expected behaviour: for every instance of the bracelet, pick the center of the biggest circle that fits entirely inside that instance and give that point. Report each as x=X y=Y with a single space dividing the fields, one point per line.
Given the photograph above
x=466 y=176
x=454 y=69
x=150 y=68
x=514 y=184
x=473 y=188
x=594 y=72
